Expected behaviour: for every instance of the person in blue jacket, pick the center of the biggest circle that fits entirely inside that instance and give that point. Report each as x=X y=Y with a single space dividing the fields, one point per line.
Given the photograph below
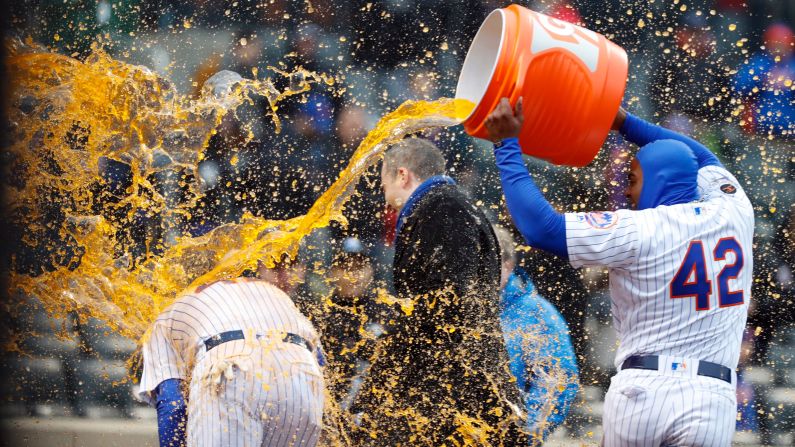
x=539 y=347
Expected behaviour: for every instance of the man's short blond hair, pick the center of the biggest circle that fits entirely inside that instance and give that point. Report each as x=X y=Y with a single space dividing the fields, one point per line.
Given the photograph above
x=418 y=155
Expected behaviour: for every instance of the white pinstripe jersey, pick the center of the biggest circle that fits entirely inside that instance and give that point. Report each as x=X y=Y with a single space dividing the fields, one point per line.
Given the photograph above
x=680 y=276
x=177 y=336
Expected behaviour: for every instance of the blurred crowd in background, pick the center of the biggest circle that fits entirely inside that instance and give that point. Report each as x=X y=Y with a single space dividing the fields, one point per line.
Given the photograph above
x=720 y=70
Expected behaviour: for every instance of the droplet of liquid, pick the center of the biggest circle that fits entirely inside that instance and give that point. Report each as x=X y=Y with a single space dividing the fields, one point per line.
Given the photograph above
x=221 y=85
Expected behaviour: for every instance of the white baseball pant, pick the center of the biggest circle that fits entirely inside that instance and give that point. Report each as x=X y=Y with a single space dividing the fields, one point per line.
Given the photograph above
x=266 y=396
x=669 y=407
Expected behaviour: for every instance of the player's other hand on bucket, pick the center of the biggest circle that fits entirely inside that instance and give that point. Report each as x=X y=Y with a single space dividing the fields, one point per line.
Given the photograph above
x=618 y=121
x=505 y=121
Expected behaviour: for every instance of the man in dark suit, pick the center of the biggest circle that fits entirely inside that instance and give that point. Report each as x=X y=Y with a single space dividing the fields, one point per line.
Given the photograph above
x=441 y=376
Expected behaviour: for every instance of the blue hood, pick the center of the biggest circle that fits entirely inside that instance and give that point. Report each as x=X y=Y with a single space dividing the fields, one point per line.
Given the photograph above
x=670 y=174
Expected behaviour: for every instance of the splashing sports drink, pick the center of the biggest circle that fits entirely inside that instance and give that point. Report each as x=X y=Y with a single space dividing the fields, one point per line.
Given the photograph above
x=69 y=115
x=572 y=80
x=106 y=108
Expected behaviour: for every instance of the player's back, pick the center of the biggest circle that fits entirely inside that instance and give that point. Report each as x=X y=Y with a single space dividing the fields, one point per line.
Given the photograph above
x=689 y=291
x=253 y=306
x=247 y=356
x=680 y=275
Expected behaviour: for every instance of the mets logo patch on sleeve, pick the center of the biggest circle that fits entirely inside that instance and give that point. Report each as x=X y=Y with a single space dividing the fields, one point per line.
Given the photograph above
x=601 y=219
x=728 y=188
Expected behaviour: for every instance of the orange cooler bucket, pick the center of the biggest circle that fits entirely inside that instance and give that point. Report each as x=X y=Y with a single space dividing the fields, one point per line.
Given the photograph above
x=572 y=80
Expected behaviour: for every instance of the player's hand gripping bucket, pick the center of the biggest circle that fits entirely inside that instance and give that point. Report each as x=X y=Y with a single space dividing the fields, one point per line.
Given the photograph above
x=572 y=80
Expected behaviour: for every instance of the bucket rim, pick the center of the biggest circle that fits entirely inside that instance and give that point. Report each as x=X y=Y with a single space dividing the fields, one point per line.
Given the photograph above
x=469 y=60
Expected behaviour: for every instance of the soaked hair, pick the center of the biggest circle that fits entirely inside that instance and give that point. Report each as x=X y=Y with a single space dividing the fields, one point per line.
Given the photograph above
x=507 y=244
x=418 y=155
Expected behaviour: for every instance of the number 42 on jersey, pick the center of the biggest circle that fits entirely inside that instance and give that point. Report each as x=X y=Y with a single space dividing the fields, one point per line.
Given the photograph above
x=692 y=280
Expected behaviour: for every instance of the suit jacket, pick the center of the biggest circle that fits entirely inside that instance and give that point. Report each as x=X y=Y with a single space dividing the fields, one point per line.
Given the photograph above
x=445 y=361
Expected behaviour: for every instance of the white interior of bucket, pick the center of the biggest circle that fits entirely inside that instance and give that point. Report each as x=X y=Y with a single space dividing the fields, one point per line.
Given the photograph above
x=481 y=60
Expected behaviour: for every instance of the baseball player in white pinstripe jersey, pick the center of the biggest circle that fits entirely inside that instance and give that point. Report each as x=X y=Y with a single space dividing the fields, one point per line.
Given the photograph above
x=249 y=361
x=680 y=269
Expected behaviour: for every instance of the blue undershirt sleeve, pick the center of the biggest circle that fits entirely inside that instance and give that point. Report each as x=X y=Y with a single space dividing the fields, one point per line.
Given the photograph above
x=642 y=133
x=540 y=225
x=171 y=413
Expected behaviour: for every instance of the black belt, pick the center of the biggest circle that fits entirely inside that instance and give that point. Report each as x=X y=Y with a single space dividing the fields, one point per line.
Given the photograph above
x=652 y=362
x=224 y=337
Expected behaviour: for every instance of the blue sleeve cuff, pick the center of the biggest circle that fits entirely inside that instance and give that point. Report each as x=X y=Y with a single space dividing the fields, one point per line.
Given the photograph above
x=171 y=413
x=512 y=140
